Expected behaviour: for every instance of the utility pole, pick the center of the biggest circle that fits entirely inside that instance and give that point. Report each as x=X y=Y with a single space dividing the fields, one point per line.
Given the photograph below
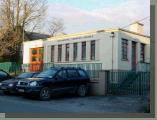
x=112 y=37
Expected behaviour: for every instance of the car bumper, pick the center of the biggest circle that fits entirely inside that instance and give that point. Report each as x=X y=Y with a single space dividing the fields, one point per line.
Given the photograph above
x=28 y=90
x=8 y=89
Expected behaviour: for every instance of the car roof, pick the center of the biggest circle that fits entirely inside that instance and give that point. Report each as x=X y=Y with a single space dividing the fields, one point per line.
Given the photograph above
x=65 y=68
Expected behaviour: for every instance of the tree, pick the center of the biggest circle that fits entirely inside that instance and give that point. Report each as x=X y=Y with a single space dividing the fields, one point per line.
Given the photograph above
x=17 y=16
x=56 y=26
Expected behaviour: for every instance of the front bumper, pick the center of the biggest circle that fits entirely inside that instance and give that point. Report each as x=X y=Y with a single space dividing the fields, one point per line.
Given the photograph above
x=28 y=90
x=8 y=89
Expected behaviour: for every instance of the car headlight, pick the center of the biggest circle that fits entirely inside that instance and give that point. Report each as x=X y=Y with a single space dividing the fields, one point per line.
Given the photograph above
x=0 y=84
x=32 y=84
x=10 y=85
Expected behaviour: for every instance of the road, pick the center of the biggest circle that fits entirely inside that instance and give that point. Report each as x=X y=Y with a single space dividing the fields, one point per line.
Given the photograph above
x=72 y=104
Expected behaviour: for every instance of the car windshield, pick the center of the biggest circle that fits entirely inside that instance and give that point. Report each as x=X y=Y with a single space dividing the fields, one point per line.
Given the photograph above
x=47 y=73
x=25 y=75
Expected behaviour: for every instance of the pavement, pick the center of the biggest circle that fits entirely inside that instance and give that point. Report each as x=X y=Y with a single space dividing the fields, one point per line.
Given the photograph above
x=69 y=103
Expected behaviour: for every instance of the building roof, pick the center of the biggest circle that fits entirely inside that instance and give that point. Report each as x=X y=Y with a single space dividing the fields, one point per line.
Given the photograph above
x=35 y=36
x=66 y=36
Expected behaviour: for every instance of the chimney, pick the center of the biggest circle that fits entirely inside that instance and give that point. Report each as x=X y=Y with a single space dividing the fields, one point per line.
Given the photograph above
x=137 y=27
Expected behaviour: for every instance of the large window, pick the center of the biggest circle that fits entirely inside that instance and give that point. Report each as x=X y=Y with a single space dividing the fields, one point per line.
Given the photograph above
x=59 y=53
x=67 y=52
x=83 y=50
x=75 y=51
x=124 y=49
x=92 y=51
x=142 y=52
x=52 y=53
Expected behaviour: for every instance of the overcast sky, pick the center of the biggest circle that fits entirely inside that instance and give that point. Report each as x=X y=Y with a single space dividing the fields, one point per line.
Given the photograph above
x=84 y=15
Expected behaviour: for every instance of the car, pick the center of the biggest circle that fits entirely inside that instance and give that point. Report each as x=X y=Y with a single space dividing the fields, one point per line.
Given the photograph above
x=4 y=75
x=56 y=80
x=9 y=86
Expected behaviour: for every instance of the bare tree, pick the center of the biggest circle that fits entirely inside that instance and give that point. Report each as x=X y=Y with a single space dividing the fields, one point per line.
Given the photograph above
x=15 y=17
x=56 y=26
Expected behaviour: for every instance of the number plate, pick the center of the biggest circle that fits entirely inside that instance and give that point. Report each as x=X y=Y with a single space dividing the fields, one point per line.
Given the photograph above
x=21 y=90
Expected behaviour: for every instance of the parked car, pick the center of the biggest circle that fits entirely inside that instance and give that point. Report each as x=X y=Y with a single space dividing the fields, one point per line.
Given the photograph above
x=56 y=80
x=9 y=86
x=4 y=75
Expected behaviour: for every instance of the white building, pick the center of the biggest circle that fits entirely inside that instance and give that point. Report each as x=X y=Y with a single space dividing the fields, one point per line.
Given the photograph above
x=117 y=49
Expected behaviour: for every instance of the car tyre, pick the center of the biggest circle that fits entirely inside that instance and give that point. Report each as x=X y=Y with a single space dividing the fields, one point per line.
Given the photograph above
x=82 y=90
x=44 y=94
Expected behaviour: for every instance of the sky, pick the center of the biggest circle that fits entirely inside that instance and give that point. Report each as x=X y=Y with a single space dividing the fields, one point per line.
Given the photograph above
x=86 y=15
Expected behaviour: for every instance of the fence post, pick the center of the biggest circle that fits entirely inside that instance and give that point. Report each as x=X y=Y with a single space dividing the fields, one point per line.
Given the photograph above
x=102 y=90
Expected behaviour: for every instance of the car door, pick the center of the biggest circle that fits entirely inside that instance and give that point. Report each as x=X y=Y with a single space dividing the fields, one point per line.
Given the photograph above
x=60 y=83
x=73 y=78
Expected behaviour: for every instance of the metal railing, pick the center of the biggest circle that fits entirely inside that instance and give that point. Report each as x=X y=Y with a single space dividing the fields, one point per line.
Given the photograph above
x=128 y=82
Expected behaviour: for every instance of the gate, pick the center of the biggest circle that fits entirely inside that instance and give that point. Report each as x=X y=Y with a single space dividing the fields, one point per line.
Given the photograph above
x=128 y=82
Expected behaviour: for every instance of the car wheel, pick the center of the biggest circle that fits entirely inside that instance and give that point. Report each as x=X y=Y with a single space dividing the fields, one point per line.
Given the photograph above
x=82 y=90
x=45 y=93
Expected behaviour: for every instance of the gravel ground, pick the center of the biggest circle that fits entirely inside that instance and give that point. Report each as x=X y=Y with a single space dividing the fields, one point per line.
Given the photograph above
x=67 y=103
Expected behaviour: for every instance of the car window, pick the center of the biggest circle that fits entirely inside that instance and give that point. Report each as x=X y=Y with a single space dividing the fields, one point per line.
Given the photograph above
x=35 y=74
x=82 y=73
x=3 y=74
x=47 y=73
x=72 y=73
x=25 y=75
x=62 y=74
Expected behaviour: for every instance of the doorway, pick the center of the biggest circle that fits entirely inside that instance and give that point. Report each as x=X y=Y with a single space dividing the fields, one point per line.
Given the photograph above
x=36 y=59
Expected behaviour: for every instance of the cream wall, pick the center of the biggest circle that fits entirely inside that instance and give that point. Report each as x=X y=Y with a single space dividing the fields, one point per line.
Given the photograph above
x=125 y=65
x=103 y=49
x=26 y=49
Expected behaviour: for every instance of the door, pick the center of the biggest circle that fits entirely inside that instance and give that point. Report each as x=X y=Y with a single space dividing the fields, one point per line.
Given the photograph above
x=36 y=59
x=134 y=62
x=60 y=83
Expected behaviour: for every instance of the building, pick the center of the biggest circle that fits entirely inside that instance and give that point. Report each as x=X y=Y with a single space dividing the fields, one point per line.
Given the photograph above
x=117 y=49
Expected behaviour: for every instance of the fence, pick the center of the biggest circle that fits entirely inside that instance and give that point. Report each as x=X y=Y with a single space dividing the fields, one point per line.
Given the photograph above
x=11 y=67
x=128 y=82
x=92 y=68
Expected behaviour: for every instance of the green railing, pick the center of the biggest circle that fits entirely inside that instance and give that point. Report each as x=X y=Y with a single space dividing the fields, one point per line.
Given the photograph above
x=128 y=82
x=92 y=68
x=11 y=67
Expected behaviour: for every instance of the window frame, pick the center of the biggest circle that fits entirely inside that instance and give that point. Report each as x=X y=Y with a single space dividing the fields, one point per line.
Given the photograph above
x=59 y=53
x=52 y=53
x=83 y=55
x=124 y=49
x=92 y=52
x=142 y=52
x=67 y=47
x=75 y=48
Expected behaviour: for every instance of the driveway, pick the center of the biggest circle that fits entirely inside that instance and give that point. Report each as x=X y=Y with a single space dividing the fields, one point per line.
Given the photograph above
x=73 y=104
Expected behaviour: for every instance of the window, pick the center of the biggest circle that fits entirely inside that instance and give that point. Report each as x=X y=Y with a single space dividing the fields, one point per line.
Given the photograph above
x=92 y=52
x=72 y=73
x=47 y=73
x=67 y=52
x=82 y=73
x=62 y=74
x=124 y=49
x=34 y=52
x=75 y=52
x=142 y=52
x=52 y=53
x=83 y=50
x=59 y=53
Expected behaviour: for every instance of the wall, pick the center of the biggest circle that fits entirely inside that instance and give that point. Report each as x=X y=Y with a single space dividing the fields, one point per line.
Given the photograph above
x=27 y=46
x=124 y=65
